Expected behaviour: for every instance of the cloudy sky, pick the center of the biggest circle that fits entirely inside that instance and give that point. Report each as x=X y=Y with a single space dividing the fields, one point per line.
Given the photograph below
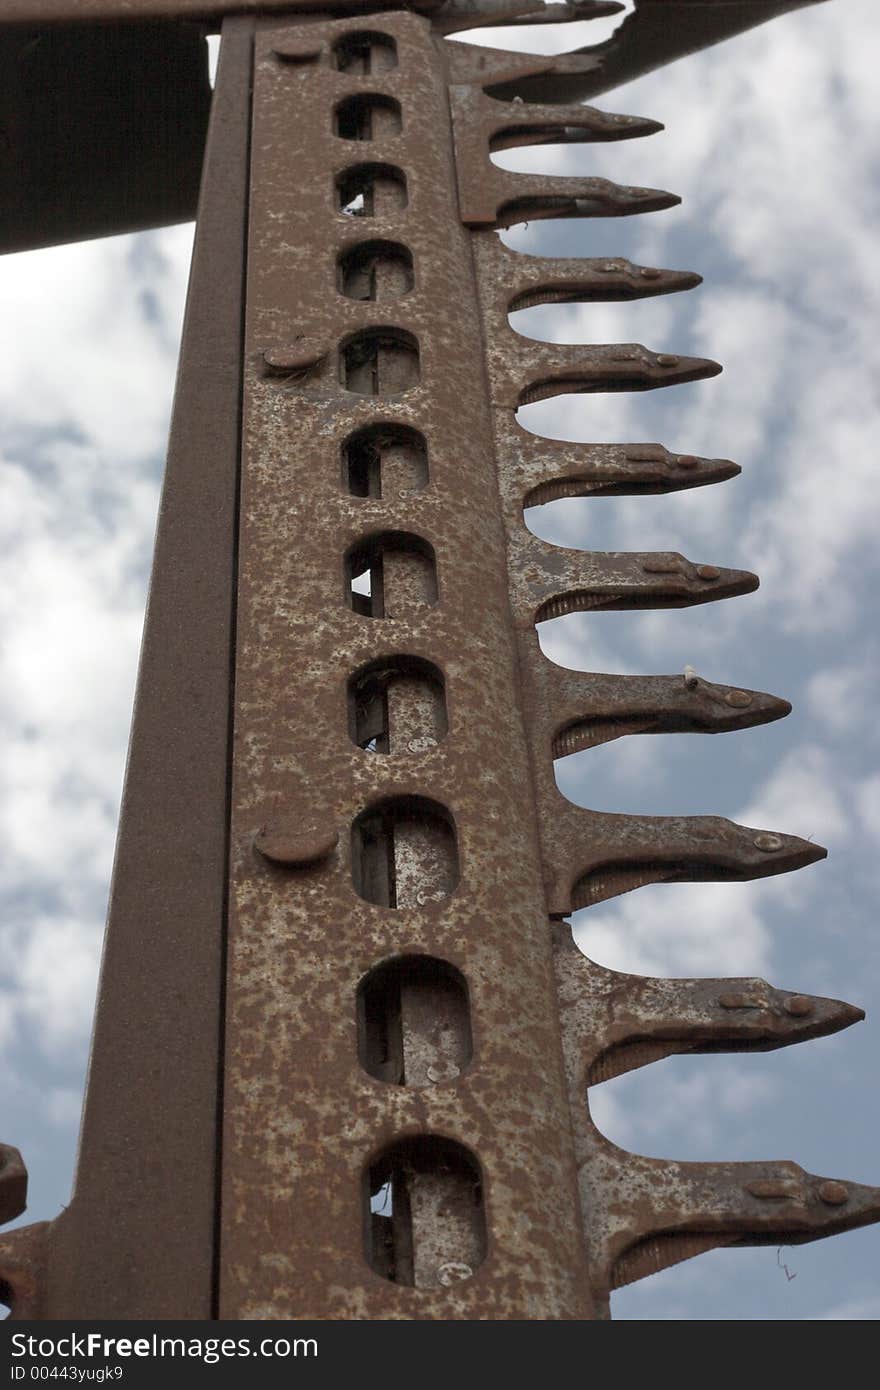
x=769 y=141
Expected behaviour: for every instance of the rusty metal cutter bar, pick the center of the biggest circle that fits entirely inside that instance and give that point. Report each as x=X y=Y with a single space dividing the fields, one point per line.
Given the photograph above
x=344 y=1038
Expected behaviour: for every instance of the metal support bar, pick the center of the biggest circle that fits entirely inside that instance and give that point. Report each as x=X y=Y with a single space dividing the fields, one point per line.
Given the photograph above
x=137 y=1240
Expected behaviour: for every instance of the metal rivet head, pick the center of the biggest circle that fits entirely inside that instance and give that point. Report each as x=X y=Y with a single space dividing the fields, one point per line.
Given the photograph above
x=708 y=572
x=646 y=455
x=739 y=1001
x=648 y=272
x=449 y=1072
x=661 y=566
x=770 y=1189
x=798 y=1005
x=296 y=846
x=686 y=461
x=667 y=359
x=298 y=357
x=421 y=745
x=738 y=698
x=768 y=843
x=298 y=52
x=834 y=1193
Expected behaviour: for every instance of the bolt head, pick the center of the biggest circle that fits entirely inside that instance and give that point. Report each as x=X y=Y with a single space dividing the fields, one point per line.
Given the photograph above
x=667 y=359
x=834 y=1193
x=798 y=1005
x=739 y=699
x=297 y=845
x=708 y=572
x=445 y=1072
x=660 y=565
x=770 y=1189
x=768 y=843
x=739 y=1001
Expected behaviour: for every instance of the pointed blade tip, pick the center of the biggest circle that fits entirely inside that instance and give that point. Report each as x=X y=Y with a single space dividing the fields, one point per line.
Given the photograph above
x=850 y=1014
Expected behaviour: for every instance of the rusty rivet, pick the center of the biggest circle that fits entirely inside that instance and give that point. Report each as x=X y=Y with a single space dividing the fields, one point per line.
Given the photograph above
x=739 y=1001
x=770 y=1189
x=449 y=1072
x=295 y=845
x=798 y=1005
x=421 y=745
x=708 y=572
x=298 y=357
x=302 y=51
x=648 y=272
x=687 y=461
x=667 y=359
x=647 y=455
x=661 y=566
x=768 y=843
x=834 y=1193
x=738 y=698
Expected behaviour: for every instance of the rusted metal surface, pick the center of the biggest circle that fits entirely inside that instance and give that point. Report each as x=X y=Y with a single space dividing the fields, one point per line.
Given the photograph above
x=23 y=1270
x=614 y=1022
x=408 y=1041
x=13 y=1183
x=295 y=1151
x=645 y=1214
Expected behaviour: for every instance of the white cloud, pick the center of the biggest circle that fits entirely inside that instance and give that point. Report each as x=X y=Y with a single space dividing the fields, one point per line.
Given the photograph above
x=52 y=969
x=693 y=1103
x=62 y=1106
x=88 y=334
x=681 y=929
x=90 y=337
x=865 y=1309
x=800 y=797
x=867 y=800
x=842 y=697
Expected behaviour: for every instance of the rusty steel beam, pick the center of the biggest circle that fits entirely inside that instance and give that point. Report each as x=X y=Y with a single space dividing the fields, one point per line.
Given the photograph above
x=380 y=1111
